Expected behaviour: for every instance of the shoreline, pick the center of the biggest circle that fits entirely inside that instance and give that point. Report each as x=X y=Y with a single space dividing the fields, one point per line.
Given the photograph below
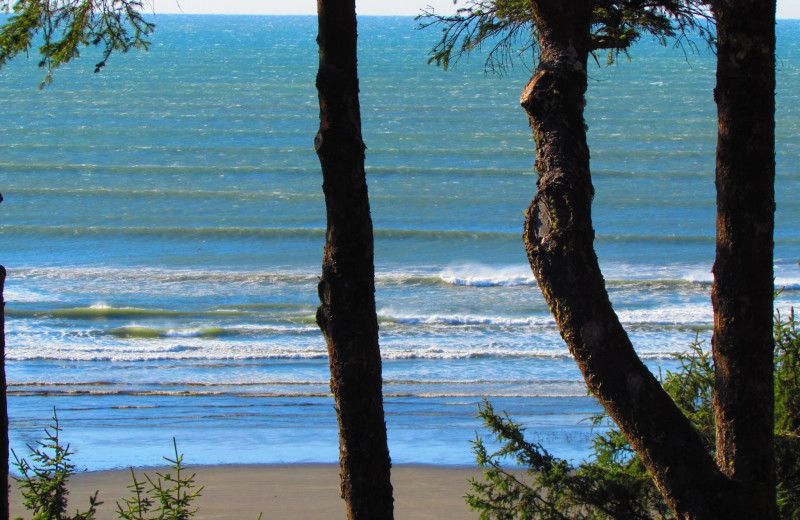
x=281 y=491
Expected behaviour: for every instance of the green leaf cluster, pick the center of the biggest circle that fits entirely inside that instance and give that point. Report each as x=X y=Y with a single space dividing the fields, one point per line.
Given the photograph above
x=618 y=24
x=44 y=481
x=503 y=25
x=614 y=483
x=61 y=28
x=44 y=486
x=167 y=497
x=507 y=28
x=787 y=414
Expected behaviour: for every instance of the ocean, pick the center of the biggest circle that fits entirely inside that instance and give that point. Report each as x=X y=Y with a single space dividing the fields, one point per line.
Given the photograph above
x=163 y=228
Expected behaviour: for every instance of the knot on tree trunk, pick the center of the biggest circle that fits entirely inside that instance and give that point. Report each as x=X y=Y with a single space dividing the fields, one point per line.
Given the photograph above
x=551 y=89
x=547 y=219
x=323 y=311
x=537 y=92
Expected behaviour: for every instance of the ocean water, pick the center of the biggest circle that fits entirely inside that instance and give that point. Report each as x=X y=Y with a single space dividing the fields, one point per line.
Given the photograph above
x=163 y=228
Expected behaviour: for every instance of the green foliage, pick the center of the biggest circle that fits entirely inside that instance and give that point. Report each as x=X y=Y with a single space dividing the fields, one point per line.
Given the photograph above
x=692 y=389
x=614 y=483
x=508 y=28
x=44 y=486
x=787 y=376
x=503 y=25
x=44 y=481
x=787 y=414
x=65 y=26
x=166 y=498
x=613 y=486
x=618 y=24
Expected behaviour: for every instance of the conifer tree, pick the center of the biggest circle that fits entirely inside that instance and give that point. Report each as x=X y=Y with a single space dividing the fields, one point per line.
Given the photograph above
x=559 y=234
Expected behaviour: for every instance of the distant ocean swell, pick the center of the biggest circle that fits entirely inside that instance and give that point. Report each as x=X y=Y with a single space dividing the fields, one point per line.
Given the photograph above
x=641 y=317
x=141 y=353
x=200 y=232
x=437 y=339
x=637 y=277
x=293 y=389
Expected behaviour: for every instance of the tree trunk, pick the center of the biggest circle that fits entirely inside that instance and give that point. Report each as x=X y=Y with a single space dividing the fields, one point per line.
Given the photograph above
x=558 y=240
x=347 y=287
x=742 y=293
x=4 y=514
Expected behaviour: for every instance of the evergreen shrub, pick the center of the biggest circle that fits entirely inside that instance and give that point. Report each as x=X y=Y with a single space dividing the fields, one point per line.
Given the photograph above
x=613 y=483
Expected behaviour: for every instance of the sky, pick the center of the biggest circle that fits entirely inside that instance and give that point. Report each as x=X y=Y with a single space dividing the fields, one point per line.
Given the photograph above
x=786 y=8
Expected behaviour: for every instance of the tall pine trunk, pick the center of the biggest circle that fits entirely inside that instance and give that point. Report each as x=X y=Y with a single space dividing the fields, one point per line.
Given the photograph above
x=559 y=242
x=742 y=293
x=347 y=287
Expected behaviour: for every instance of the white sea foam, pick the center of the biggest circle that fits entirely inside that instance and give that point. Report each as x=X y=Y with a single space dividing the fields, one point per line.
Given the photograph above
x=699 y=275
x=121 y=275
x=466 y=319
x=210 y=348
x=787 y=275
x=20 y=294
x=693 y=314
x=488 y=276
x=690 y=314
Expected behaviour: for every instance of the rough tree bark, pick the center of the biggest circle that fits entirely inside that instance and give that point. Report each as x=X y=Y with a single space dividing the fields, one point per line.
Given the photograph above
x=4 y=512
x=347 y=288
x=742 y=293
x=558 y=239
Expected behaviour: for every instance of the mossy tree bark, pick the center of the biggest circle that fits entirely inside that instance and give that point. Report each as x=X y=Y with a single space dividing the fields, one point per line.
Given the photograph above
x=559 y=242
x=347 y=287
x=742 y=294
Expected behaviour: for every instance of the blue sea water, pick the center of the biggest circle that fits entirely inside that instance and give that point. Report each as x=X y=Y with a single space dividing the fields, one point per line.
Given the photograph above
x=163 y=227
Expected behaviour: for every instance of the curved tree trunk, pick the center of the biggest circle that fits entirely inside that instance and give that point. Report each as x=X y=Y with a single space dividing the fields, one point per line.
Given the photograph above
x=347 y=288
x=742 y=294
x=559 y=243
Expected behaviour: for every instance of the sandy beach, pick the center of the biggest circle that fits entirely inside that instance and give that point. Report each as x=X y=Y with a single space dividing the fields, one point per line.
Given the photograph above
x=289 y=492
